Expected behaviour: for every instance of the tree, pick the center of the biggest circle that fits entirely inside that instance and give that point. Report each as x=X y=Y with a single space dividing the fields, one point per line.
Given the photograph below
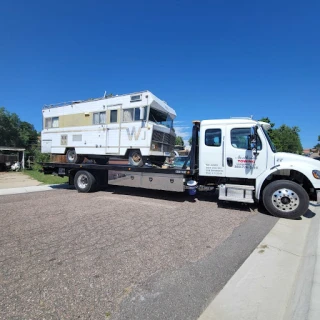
x=179 y=141
x=190 y=141
x=317 y=146
x=17 y=133
x=266 y=119
x=285 y=139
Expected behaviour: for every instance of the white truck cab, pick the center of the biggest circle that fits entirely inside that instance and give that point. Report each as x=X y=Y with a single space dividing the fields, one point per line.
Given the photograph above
x=240 y=155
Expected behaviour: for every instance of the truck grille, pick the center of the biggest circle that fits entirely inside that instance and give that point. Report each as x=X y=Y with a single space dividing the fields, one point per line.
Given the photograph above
x=164 y=138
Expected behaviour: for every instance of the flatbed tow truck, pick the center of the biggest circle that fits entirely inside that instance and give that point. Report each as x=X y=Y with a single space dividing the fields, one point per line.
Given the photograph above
x=236 y=156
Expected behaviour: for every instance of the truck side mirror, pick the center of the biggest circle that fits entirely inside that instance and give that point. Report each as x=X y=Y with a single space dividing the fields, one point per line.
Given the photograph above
x=142 y=111
x=253 y=139
x=253 y=133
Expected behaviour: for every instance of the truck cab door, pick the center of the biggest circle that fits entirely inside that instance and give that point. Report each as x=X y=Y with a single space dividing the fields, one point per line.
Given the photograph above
x=211 y=150
x=241 y=161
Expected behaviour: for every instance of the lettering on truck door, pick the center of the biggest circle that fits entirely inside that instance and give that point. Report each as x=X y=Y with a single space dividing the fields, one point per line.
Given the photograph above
x=211 y=158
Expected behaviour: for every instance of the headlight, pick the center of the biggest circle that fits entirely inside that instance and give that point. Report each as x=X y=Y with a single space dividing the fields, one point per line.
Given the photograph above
x=316 y=174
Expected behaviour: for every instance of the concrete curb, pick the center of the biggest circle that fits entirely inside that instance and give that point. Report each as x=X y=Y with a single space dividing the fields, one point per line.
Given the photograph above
x=277 y=280
x=33 y=189
x=299 y=304
x=314 y=307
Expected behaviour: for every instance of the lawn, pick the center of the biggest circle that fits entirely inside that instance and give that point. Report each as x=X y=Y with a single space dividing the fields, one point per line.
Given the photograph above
x=45 y=178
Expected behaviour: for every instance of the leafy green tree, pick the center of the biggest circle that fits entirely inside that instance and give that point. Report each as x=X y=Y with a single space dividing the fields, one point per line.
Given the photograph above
x=190 y=141
x=179 y=141
x=288 y=139
x=285 y=139
x=27 y=134
x=17 y=133
x=14 y=132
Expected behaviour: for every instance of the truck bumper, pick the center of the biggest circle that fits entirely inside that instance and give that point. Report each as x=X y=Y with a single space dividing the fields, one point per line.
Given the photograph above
x=318 y=196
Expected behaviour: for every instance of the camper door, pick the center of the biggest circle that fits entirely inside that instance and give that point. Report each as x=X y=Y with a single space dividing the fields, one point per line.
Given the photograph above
x=113 y=129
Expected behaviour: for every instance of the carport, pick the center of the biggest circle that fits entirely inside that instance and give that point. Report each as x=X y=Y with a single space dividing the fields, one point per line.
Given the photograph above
x=19 y=151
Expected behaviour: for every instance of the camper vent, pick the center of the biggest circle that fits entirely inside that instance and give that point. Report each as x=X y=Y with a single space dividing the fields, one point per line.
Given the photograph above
x=77 y=137
x=135 y=98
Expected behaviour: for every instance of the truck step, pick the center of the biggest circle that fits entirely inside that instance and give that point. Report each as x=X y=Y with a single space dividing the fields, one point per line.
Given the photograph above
x=236 y=192
x=236 y=199
x=239 y=186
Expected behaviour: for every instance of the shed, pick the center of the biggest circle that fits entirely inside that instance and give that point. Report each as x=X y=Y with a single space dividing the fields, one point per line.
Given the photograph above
x=20 y=152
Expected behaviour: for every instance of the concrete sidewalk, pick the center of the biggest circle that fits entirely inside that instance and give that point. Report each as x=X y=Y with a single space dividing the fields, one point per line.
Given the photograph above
x=16 y=180
x=33 y=189
x=280 y=279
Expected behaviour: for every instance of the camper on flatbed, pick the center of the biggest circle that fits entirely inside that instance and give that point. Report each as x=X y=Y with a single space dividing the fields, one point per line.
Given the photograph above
x=137 y=126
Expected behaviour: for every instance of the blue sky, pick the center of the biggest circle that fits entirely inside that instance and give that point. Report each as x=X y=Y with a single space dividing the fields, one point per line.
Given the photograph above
x=207 y=59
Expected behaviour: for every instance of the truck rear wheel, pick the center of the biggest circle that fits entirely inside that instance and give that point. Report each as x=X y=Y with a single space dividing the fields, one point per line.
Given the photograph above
x=84 y=181
x=135 y=158
x=73 y=157
x=285 y=199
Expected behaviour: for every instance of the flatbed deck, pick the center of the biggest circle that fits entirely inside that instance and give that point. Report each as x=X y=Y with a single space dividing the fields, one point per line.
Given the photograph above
x=89 y=176
x=50 y=167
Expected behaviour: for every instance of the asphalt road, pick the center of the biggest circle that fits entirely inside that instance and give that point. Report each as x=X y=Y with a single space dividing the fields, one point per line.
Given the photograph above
x=120 y=254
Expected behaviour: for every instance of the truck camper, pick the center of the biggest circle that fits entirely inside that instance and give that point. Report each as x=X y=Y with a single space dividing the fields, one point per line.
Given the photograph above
x=136 y=126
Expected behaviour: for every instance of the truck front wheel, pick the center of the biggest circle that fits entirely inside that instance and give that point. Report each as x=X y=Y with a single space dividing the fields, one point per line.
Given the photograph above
x=285 y=199
x=84 y=181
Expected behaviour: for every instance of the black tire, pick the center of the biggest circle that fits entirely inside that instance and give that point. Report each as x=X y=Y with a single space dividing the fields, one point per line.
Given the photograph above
x=285 y=199
x=73 y=157
x=135 y=158
x=85 y=181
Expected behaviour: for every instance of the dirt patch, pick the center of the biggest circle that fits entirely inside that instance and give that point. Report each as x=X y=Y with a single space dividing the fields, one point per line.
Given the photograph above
x=16 y=180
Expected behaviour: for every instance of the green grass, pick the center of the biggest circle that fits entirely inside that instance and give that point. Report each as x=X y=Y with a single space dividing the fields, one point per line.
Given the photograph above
x=45 y=178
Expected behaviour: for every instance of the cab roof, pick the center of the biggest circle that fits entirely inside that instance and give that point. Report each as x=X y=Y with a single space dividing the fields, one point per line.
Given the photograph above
x=245 y=121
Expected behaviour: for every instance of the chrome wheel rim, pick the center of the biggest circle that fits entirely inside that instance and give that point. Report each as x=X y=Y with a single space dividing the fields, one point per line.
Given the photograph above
x=82 y=181
x=71 y=155
x=285 y=200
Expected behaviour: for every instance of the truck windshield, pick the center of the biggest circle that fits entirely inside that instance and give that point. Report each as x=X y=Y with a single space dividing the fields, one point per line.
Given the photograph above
x=160 y=118
x=273 y=148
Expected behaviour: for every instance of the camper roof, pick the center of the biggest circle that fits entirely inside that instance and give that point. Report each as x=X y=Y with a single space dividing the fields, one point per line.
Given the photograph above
x=124 y=99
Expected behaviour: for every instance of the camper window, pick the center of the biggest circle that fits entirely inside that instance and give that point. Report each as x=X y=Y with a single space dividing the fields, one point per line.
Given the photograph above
x=136 y=114
x=99 y=117
x=160 y=118
x=133 y=114
x=113 y=116
x=51 y=123
x=127 y=115
x=48 y=122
